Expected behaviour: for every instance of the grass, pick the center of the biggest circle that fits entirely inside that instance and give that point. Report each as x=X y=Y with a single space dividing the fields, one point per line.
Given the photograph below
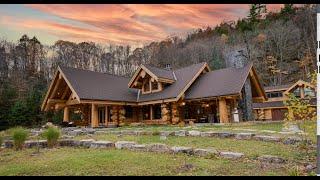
x=66 y=161
x=19 y=136
x=52 y=135
x=250 y=148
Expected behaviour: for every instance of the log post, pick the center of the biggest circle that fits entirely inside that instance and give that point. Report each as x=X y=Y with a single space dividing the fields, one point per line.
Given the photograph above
x=114 y=115
x=223 y=111
x=94 y=116
x=165 y=113
x=122 y=115
x=106 y=118
x=66 y=114
x=151 y=112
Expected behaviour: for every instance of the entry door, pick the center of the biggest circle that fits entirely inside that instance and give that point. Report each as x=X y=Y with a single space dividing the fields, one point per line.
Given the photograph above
x=102 y=115
x=278 y=114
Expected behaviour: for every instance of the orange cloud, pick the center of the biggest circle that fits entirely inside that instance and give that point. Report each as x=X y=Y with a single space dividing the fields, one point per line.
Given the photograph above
x=134 y=23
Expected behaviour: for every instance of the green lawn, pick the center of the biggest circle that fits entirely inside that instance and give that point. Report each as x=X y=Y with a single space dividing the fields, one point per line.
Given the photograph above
x=67 y=161
x=250 y=148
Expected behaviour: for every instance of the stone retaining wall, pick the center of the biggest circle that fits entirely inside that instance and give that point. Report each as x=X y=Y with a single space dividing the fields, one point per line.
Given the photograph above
x=155 y=147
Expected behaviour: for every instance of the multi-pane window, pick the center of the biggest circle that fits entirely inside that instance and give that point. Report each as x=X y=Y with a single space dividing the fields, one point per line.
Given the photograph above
x=309 y=92
x=274 y=94
x=157 y=111
x=297 y=93
x=155 y=85
x=146 y=87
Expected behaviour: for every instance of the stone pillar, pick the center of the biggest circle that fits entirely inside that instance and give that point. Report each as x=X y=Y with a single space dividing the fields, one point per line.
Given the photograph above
x=94 y=116
x=122 y=115
x=223 y=111
x=247 y=101
x=175 y=113
x=114 y=114
x=66 y=114
x=165 y=113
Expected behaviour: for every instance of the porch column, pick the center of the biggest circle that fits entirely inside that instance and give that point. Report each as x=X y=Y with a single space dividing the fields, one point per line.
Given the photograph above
x=94 y=116
x=114 y=115
x=223 y=112
x=175 y=113
x=106 y=116
x=151 y=112
x=66 y=114
x=122 y=115
x=165 y=113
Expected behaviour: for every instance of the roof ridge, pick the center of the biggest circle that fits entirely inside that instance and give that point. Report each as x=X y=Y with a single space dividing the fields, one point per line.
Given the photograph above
x=87 y=70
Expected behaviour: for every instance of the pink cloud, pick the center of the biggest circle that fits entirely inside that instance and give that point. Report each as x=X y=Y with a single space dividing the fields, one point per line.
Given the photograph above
x=135 y=23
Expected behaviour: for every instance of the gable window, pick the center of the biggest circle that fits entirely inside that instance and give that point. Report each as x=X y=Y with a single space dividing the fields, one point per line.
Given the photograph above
x=146 y=86
x=296 y=92
x=155 y=85
x=309 y=92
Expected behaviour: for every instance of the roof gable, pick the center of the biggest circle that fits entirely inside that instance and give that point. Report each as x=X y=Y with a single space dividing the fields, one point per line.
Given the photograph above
x=223 y=82
x=160 y=75
x=297 y=84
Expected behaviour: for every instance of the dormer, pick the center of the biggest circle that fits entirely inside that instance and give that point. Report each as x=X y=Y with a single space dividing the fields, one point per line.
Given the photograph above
x=151 y=79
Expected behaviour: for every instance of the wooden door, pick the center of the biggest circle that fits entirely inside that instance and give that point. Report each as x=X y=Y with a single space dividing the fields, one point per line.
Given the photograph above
x=278 y=114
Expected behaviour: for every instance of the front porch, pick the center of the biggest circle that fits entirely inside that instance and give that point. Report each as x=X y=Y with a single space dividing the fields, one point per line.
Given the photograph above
x=215 y=110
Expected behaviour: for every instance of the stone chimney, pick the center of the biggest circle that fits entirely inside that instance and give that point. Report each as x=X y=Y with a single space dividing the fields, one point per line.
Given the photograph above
x=236 y=58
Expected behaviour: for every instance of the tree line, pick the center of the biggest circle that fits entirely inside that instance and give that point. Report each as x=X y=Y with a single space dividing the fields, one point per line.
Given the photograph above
x=280 y=44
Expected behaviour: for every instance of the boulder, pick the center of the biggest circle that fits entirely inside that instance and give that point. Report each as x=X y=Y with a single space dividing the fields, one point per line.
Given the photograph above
x=124 y=144
x=194 y=133
x=85 y=143
x=231 y=155
x=102 y=144
x=181 y=133
x=207 y=134
x=267 y=138
x=244 y=136
x=292 y=140
x=186 y=150
x=205 y=152
x=8 y=144
x=160 y=148
x=167 y=133
x=68 y=142
x=32 y=144
x=138 y=147
x=271 y=159
x=225 y=134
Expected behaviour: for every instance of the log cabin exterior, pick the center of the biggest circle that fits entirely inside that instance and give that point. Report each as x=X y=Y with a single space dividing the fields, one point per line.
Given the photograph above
x=155 y=95
x=274 y=108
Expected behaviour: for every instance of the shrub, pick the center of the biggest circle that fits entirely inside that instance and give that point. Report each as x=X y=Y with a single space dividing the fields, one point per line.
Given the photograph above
x=19 y=136
x=52 y=135
x=1 y=140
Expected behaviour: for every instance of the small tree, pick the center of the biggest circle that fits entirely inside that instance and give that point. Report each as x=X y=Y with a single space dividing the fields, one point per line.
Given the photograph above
x=52 y=135
x=19 y=136
x=301 y=113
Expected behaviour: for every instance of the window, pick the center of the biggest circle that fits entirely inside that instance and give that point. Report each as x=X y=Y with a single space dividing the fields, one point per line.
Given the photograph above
x=146 y=112
x=157 y=111
x=309 y=92
x=129 y=111
x=296 y=92
x=155 y=85
x=274 y=94
x=146 y=86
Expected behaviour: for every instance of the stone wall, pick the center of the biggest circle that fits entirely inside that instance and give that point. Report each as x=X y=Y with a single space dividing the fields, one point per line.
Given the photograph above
x=165 y=113
x=175 y=113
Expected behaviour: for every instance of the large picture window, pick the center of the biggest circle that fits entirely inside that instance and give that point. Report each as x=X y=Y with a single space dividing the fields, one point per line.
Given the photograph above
x=157 y=111
x=129 y=112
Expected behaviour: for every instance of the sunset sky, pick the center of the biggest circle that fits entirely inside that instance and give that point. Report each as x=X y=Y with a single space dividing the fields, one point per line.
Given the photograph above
x=118 y=24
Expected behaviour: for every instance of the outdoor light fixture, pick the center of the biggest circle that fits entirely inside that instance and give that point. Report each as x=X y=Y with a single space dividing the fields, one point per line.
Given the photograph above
x=183 y=103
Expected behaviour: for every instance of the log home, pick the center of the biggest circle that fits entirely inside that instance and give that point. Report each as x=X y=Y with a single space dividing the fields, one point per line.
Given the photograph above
x=155 y=95
x=274 y=108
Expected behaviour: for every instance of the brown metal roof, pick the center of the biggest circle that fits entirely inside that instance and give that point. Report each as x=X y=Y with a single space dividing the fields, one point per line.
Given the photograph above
x=91 y=85
x=271 y=104
x=271 y=88
x=220 y=82
x=161 y=73
x=99 y=86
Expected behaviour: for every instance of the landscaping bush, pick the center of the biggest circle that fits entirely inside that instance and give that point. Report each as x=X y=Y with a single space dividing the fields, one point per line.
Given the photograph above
x=19 y=136
x=1 y=140
x=52 y=135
